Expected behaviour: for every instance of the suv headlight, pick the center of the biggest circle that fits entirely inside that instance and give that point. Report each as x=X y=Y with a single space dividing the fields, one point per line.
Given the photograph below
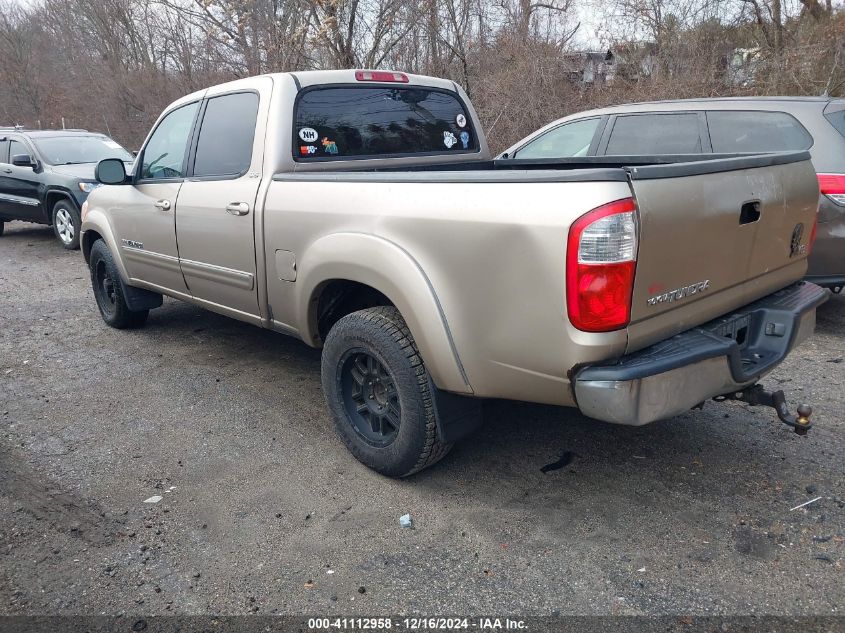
x=88 y=187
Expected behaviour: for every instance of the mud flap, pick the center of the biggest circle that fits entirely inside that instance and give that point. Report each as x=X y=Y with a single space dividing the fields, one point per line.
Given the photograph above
x=456 y=416
x=138 y=299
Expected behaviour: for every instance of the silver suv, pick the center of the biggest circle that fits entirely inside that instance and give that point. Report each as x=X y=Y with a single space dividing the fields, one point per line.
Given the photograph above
x=719 y=126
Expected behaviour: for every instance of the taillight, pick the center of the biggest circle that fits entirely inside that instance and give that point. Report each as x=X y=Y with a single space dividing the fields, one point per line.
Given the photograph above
x=381 y=75
x=833 y=186
x=601 y=259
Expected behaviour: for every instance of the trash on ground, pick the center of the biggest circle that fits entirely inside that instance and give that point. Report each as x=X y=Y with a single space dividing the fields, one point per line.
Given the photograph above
x=406 y=521
x=154 y=499
x=565 y=459
x=806 y=503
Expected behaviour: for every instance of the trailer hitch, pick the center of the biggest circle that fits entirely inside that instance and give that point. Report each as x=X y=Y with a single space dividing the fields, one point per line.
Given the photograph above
x=756 y=395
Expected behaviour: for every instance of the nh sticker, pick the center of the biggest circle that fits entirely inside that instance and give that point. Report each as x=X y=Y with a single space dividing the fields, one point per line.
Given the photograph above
x=308 y=134
x=449 y=139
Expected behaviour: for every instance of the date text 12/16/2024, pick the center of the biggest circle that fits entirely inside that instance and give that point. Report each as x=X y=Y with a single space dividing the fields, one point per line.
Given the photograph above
x=417 y=624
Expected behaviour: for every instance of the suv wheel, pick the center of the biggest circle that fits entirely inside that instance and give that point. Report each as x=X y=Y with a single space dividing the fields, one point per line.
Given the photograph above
x=108 y=290
x=379 y=393
x=66 y=224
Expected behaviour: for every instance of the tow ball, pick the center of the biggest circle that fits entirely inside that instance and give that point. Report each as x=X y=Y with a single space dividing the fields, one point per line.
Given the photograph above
x=756 y=395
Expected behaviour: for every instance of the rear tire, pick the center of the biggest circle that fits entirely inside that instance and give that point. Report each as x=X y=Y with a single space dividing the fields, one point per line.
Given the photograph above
x=379 y=393
x=2 y=226
x=66 y=224
x=108 y=290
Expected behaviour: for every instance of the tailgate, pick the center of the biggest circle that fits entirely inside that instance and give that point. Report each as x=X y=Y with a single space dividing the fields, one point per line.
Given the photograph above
x=717 y=234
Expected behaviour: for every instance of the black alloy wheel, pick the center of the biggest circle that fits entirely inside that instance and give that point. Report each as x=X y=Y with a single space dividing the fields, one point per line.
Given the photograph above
x=370 y=397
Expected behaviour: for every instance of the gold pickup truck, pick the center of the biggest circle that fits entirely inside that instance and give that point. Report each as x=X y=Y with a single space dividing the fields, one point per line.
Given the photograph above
x=360 y=211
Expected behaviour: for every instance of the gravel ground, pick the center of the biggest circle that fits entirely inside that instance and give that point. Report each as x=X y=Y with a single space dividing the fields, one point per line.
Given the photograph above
x=264 y=511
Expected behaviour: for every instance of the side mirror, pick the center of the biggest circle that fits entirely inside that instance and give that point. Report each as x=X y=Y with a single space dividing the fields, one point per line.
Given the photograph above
x=23 y=160
x=110 y=171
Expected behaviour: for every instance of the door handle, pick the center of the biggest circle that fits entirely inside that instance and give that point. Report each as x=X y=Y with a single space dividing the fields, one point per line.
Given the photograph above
x=7 y=171
x=237 y=208
x=164 y=205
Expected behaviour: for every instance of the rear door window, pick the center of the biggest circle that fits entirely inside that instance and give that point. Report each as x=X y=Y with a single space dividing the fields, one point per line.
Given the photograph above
x=738 y=132
x=224 y=147
x=377 y=121
x=565 y=141
x=657 y=133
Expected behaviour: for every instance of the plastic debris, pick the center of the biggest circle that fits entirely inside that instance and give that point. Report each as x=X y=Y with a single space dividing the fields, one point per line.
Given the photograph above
x=154 y=499
x=806 y=503
x=406 y=522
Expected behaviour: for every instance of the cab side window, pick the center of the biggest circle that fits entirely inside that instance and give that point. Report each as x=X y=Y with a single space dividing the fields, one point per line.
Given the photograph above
x=224 y=147
x=568 y=140
x=164 y=155
x=4 y=151
x=639 y=134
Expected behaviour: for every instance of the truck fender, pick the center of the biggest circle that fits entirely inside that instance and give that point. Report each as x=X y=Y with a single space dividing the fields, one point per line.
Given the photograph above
x=390 y=269
x=96 y=226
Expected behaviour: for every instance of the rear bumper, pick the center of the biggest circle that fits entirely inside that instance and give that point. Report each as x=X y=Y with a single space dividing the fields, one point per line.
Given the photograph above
x=827 y=281
x=719 y=357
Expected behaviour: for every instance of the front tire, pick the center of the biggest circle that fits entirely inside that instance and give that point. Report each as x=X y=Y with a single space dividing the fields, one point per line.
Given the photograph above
x=108 y=290
x=379 y=393
x=67 y=224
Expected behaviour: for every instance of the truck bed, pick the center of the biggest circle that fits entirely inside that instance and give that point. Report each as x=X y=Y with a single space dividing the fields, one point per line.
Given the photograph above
x=490 y=238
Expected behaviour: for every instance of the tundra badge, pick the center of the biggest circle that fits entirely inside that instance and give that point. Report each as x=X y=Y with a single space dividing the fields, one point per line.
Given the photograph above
x=133 y=244
x=679 y=293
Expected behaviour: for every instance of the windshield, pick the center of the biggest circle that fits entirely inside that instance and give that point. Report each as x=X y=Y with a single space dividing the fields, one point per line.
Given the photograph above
x=73 y=150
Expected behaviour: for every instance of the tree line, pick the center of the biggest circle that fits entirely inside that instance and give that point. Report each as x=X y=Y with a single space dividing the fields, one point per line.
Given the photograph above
x=112 y=65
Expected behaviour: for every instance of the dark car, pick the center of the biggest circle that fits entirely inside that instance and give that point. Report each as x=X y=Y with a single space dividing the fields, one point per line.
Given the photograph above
x=46 y=175
x=720 y=126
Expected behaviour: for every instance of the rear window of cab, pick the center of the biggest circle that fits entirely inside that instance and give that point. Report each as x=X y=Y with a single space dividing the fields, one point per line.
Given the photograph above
x=379 y=122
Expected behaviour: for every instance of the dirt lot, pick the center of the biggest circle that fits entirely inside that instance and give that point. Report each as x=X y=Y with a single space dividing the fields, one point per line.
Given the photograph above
x=264 y=511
